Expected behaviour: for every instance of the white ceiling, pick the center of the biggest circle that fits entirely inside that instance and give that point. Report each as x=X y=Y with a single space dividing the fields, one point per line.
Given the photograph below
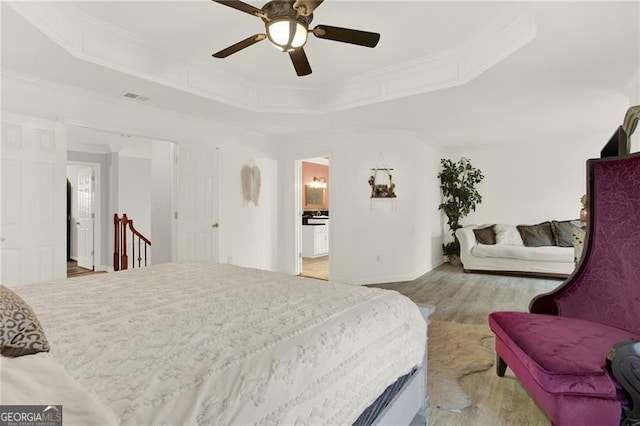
x=200 y=28
x=570 y=79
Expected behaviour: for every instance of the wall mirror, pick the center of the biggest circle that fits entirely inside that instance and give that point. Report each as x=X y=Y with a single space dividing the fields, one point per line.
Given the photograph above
x=315 y=197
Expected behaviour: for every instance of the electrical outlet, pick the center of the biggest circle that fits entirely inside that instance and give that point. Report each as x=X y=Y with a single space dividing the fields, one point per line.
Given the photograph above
x=229 y=260
x=378 y=258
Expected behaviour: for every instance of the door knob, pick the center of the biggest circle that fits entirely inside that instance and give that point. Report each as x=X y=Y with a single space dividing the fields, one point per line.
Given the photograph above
x=215 y=225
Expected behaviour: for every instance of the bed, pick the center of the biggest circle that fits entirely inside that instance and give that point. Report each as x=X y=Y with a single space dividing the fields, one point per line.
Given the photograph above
x=191 y=343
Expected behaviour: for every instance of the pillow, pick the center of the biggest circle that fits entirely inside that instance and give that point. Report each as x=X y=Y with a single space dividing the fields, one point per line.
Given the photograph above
x=562 y=233
x=507 y=235
x=485 y=235
x=537 y=235
x=20 y=330
x=39 y=379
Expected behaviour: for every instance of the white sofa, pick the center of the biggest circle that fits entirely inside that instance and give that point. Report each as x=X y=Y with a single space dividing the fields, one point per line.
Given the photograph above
x=515 y=258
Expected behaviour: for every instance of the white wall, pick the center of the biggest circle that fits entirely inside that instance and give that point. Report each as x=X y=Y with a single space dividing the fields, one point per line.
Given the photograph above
x=113 y=161
x=534 y=182
x=237 y=146
x=404 y=234
x=134 y=192
x=162 y=155
x=634 y=89
x=248 y=233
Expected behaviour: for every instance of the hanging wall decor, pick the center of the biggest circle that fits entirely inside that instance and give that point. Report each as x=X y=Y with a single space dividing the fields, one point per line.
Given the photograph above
x=381 y=181
x=251 y=182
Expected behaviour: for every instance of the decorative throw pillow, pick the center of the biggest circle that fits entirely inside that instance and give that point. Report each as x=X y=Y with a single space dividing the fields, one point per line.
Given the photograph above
x=485 y=235
x=537 y=235
x=20 y=330
x=507 y=235
x=562 y=233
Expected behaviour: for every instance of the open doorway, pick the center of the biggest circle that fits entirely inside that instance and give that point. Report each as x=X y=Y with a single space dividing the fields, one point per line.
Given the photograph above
x=83 y=217
x=315 y=212
x=134 y=174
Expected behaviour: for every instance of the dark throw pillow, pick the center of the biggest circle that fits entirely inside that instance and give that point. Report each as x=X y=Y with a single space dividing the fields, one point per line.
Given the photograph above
x=562 y=233
x=20 y=330
x=485 y=235
x=537 y=235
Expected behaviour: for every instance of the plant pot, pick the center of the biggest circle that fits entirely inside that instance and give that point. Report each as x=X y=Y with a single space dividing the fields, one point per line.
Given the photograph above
x=454 y=259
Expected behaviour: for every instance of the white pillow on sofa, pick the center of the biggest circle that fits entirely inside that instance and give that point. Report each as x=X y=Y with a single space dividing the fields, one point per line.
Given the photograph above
x=508 y=235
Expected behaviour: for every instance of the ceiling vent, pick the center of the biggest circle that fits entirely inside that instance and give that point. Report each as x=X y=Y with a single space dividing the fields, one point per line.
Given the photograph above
x=136 y=96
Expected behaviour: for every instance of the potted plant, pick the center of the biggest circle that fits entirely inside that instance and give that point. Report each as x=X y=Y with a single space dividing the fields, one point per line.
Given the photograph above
x=458 y=182
x=451 y=251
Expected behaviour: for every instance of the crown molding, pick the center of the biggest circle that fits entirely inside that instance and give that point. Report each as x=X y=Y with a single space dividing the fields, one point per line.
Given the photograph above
x=100 y=149
x=446 y=69
x=91 y=40
x=113 y=100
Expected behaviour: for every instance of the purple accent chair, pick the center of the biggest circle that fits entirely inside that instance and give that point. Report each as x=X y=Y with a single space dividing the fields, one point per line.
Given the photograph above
x=559 y=349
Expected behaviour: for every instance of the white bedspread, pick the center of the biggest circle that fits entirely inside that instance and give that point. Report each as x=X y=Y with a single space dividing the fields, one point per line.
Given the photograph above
x=219 y=344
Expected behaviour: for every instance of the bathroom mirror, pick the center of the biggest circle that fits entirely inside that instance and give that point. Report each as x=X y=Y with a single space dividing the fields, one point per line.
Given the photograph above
x=315 y=197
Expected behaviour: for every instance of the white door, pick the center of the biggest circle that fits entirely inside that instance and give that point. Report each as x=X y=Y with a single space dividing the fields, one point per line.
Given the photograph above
x=33 y=199
x=197 y=191
x=86 y=217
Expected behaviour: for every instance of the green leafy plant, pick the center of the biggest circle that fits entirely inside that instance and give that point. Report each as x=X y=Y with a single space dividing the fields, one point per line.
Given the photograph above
x=458 y=182
x=451 y=249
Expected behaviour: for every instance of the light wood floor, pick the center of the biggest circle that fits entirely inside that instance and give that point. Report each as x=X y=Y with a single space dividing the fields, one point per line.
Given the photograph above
x=73 y=270
x=316 y=267
x=469 y=298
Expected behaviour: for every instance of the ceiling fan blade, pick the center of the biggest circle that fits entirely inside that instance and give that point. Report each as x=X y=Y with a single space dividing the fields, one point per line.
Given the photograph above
x=306 y=7
x=239 y=46
x=241 y=6
x=300 y=62
x=346 y=35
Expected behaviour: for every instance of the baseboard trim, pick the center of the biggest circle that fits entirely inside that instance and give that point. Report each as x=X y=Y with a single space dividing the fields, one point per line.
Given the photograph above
x=383 y=279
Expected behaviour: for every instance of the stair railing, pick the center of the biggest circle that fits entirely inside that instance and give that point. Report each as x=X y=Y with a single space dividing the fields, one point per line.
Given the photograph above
x=121 y=244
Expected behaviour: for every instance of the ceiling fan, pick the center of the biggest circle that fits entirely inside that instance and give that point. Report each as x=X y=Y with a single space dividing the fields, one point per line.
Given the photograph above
x=287 y=26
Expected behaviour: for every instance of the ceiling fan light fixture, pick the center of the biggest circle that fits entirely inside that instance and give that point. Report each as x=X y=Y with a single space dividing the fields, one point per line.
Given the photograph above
x=287 y=34
x=287 y=28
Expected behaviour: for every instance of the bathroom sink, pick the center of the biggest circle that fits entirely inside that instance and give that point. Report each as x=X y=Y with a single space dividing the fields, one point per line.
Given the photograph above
x=318 y=220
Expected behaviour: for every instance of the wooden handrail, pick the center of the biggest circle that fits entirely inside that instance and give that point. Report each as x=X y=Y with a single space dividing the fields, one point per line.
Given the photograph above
x=120 y=256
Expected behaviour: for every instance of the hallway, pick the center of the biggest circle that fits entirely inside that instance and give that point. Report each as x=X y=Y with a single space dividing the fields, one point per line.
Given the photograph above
x=73 y=270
